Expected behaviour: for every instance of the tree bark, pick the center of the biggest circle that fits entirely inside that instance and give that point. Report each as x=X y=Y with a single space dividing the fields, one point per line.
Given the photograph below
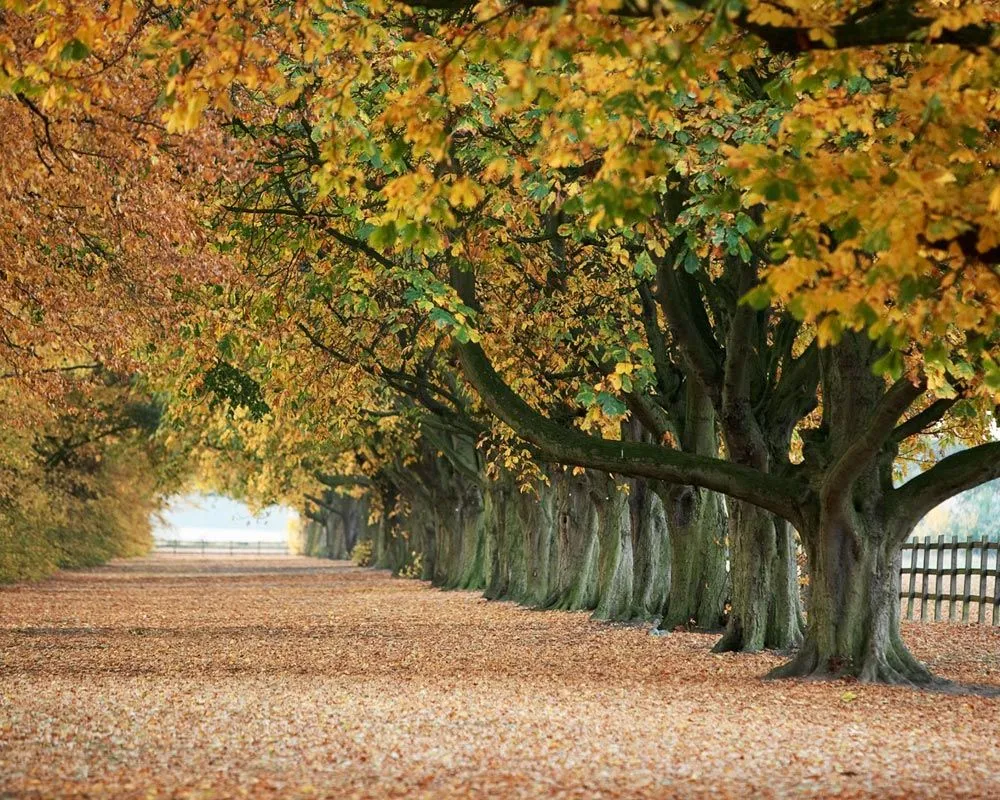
x=698 y=580
x=765 y=610
x=615 y=566
x=573 y=558
x=853 y=534
x=854 y=604
x=651 y=551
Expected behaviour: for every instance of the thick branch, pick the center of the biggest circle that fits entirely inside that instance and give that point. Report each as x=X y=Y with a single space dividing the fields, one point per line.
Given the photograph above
x=856 y=458
x=950 y=476
x=565 y=445
x=325 y=505
x=920 y=422
x=314 y=516
x=680 y=299
x=667 y=378
x=739 y=349
x=653 y=418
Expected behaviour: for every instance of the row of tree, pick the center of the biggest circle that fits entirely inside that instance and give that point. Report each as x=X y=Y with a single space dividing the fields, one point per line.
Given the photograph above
x=532 y=290
x=82 y=484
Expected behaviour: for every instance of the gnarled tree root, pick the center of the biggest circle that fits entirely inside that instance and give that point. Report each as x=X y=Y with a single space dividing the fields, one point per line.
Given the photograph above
x=891 y=664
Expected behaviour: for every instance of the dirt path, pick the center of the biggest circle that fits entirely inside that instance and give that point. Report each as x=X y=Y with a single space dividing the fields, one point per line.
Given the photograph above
x=181 y=676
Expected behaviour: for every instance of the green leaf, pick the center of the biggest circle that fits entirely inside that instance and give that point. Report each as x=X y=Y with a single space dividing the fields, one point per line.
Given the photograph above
x=890 y=364
x=758 y=298
x=74 y=50
x=744 y=224
x=611 y=405
x=644 y=267
x=383 y=236
x=442 y=318
x=877 y=241
x=225 y=346
x=691 y=263
x=936 y=353
x=848 y=229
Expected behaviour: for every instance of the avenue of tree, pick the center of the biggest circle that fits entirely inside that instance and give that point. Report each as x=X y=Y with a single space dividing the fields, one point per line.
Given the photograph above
x=596 y=306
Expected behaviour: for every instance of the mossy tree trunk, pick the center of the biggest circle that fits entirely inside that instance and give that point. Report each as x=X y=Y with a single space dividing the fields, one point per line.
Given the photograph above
x=538 y=519
x=615 y=563
x=854 y=559
x=696 y=521
x=573 y=556
x=651 y=551
x=765 y=609
x=854 y=529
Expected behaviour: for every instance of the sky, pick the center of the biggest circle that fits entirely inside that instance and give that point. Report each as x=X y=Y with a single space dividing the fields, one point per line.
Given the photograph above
x=197 y=516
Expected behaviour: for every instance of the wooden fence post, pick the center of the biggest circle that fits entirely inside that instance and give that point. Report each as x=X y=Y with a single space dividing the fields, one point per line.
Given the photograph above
x=953 y=580
x=923 y=579
x=911 y=591
x=937 y=602
x=996 y=584
x=984 y=560
x=967 y=582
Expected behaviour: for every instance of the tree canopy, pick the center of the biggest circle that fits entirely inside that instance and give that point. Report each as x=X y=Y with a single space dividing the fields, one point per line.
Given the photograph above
x=497 y=256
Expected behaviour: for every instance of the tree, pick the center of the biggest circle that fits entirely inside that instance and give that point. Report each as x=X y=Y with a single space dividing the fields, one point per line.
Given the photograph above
x=415 y=157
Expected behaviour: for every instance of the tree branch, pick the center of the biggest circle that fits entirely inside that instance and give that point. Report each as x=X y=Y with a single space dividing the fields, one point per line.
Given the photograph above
x=919 y=422
x=700 y=350
x=838 y=479
x=950 y=476
x=565 y=445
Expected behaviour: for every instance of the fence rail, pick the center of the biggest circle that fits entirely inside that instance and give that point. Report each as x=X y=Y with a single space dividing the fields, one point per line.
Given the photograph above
x=232 y=548
x=932 y=570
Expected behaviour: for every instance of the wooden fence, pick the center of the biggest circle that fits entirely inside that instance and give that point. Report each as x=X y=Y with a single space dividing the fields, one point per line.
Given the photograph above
x=949 y=580
x=232 y=548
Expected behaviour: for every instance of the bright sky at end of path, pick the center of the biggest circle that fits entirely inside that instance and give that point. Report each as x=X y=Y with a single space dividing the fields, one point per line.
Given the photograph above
x=216 y=518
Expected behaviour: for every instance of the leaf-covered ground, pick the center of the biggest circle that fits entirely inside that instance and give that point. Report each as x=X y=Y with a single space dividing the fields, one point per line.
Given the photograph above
x=178 y=676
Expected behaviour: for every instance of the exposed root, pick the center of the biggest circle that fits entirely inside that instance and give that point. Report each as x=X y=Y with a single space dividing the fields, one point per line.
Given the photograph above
x=802 y=665
x=895 y=666
x=734 y=640
x=731 y=641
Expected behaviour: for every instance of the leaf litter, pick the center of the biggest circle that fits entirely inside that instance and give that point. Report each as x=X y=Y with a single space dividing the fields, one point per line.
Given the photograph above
x=187 y=677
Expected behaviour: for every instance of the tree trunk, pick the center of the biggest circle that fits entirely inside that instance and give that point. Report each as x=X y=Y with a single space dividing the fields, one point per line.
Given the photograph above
x=507 y=577
x=336 y=537
x=698 y=579
x=765 y=609
x=471 y=572
x=852 y=536
x=615 y=567
x=355 y=519
x=854 y=604
x=389 y=542
x=651 y=551
x=573 y=558
x=537 y=514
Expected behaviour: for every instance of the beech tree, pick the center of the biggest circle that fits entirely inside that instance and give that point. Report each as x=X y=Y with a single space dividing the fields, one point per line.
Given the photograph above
x=865 y=279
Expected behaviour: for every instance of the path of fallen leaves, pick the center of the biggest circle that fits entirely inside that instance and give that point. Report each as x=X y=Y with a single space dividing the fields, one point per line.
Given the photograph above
x=178 y=676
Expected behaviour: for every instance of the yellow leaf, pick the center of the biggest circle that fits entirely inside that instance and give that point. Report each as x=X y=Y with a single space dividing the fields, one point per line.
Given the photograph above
x=995 y=198
x=465 y=193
